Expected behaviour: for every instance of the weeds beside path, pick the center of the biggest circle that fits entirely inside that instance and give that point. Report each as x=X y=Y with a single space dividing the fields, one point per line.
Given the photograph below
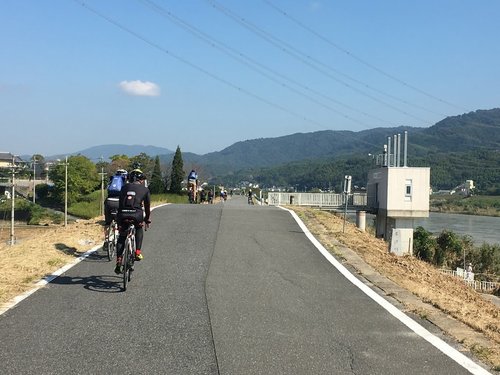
x=39 y=251
x=450 y=295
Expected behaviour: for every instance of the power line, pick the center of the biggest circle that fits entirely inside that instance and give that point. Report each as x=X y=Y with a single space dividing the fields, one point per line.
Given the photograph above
x=197 y=67
x=301 y=56
x=360 y=60
x=255 y=65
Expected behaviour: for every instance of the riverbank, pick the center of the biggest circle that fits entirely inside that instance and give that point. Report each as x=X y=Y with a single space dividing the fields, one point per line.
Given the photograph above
x=475 y=205
x=428 y=293
x=457 y=210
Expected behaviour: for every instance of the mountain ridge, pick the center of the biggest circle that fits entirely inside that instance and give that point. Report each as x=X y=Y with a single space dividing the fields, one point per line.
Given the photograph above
x=474 y=130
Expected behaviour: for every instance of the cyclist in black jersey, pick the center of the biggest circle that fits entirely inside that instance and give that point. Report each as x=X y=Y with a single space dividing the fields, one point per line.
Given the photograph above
x=133 y=197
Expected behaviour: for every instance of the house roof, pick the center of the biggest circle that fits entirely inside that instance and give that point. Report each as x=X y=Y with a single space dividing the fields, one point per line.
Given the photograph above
x=7 y=157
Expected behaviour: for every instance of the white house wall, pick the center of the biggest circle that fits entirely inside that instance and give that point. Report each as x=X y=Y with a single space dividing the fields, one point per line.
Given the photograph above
x=401 y=205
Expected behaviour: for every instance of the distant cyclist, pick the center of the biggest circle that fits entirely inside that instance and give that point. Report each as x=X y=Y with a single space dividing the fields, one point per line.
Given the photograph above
x=133 y=197
x=192 y=185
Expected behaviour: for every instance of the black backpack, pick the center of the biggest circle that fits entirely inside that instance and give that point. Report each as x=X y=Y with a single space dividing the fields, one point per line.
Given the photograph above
x=128 y=201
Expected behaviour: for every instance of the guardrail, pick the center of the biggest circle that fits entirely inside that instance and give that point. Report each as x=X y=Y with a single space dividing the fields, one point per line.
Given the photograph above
x=316 y=199
x=486 y=286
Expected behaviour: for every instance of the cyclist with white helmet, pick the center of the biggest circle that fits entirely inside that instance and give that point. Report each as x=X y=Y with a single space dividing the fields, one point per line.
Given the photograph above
x=116 y=182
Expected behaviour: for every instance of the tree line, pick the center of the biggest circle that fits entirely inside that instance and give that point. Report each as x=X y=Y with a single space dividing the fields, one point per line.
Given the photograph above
x=448 y=170
x=451 y=251
x=80 y=176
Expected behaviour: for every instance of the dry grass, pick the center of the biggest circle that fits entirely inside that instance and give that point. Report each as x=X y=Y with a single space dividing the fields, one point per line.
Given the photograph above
x=41 y=250
x=448 y=294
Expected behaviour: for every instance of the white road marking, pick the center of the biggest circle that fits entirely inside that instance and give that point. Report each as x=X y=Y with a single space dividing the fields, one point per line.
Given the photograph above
x=454 y=354
x=40 y=284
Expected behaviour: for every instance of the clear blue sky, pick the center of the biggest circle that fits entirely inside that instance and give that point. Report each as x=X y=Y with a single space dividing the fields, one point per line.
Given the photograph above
x=205 y=74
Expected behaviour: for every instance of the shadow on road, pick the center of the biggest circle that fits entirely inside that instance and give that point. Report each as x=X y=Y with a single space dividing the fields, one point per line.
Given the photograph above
x=102 y=284
x=97 y=256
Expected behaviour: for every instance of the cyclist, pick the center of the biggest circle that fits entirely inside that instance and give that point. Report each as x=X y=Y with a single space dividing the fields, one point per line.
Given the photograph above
x=133 y=197
x=116 y=182
x=192 y=185
x=203 y=196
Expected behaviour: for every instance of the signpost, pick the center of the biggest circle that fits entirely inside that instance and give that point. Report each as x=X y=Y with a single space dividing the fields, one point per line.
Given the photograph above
x=347 y=191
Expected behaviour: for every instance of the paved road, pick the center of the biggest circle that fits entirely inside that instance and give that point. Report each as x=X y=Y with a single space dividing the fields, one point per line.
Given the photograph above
x=224 y=289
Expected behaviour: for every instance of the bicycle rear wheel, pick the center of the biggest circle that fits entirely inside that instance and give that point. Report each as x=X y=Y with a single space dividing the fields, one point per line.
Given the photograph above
x=112 y=240
x=125 y=262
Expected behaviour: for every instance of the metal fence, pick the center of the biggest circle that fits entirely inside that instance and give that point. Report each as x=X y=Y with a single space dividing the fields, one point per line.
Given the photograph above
x=316 y=199
x=468 y=278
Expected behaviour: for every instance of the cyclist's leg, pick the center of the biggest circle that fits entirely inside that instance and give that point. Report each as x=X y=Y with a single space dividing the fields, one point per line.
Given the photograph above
x=107 y=211
x=139 y=235
x=120 y=245
x=138 y=219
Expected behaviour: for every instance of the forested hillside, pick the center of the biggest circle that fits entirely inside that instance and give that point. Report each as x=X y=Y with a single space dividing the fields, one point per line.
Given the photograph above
x=457 y=148
x=468 y=132
x=447 y=171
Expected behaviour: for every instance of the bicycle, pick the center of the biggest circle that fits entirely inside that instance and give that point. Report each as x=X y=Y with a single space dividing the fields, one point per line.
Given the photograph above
x=128 y=257
x=111 y=239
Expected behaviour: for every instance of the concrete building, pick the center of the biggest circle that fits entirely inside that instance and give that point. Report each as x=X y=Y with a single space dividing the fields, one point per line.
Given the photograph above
x=7 y=160
x=398 y=195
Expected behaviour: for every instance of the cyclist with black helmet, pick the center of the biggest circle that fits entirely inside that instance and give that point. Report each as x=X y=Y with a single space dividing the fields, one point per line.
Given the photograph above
x=133 y=197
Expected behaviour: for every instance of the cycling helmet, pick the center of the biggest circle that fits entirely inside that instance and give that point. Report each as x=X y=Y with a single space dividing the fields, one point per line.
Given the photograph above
x=121 y=172
x=136 y=175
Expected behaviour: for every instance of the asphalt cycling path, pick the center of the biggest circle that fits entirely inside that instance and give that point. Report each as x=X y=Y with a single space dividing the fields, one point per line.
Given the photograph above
x=224 y=289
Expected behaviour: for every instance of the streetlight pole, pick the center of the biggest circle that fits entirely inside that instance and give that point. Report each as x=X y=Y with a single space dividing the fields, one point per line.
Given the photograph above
x=347 y=191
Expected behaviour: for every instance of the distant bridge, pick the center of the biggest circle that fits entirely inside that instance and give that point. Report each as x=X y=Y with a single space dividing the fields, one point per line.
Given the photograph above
x=356 y=201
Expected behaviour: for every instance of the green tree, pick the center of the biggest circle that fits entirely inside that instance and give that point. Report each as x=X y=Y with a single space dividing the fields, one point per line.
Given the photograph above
x=177 y=174
x=487 y=260
x=117 y=162
x=144 y=162
x=424 y=244
x=449 y=248
x=82 y=178
x=39 y=162
x=157 y=186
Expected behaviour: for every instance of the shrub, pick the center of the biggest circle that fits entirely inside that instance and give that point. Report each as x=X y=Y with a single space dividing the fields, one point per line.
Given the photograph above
x=424 y=244
x=449 y=248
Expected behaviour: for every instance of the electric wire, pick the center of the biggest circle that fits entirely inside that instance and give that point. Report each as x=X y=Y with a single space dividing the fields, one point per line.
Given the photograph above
x=255 y=65
x=301 y=56
x=360 y=60
x=197 y=67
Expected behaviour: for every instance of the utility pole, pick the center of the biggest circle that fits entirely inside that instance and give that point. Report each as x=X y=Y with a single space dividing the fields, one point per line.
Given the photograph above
x=101 y=208
x=66 y=193
x=13 y=205
x=34 y=179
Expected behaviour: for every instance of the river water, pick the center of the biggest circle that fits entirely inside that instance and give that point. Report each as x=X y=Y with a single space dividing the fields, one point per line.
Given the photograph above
x=480 y=228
